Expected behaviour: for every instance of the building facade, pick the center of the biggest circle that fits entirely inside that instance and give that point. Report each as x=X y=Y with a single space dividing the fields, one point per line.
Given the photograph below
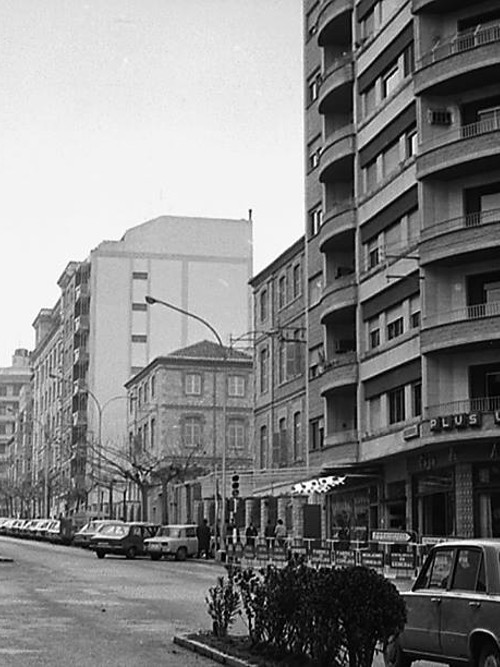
x=184 y=409
x=12 y=380
x=106 y=333
x=403 y=190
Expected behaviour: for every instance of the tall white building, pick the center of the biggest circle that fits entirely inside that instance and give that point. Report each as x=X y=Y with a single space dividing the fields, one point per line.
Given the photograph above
x=108 y=332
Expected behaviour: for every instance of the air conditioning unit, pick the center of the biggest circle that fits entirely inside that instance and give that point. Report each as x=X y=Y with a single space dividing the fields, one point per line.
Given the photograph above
x=440 y=117
x=411 y=432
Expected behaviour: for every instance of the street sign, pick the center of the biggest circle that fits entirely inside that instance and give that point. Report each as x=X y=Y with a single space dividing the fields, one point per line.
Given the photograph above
x=402 y=561
x=374 y=559
x=321 y=556
x=392 y=536
x=344 y=558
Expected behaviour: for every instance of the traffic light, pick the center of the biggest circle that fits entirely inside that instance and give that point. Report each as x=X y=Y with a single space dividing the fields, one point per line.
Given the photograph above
x=236 y=485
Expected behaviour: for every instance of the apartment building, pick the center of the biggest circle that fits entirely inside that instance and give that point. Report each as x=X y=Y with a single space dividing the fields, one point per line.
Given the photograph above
x=106 y=332
x=188 y=412
x=403 y=190
x=12 y=379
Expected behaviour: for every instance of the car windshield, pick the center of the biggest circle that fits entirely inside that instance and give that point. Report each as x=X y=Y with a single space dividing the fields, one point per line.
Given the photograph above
x=169 y=531
x=114 y=529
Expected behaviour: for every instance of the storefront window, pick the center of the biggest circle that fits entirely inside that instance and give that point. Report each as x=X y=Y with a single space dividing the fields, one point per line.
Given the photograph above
x=435 y=502
x=487 y=487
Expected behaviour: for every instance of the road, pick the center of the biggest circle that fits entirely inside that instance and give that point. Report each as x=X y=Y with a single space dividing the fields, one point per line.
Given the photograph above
x=61 y=606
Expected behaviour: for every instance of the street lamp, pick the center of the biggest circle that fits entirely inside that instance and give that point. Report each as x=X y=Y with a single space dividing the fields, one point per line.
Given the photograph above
x=150 y=300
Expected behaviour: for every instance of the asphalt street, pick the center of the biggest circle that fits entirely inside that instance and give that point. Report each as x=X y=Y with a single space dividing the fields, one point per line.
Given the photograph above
x=61 y=606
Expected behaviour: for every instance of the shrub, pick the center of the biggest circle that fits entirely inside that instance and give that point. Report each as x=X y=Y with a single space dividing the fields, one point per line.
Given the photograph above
x=223 y=602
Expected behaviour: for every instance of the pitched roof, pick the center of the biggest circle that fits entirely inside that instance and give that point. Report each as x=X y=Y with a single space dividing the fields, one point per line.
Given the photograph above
x=206 y=349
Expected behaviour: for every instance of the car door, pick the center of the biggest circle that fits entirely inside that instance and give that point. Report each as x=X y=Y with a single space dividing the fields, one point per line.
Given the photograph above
x=462 y=602
x=422 y=631
x=191 y=540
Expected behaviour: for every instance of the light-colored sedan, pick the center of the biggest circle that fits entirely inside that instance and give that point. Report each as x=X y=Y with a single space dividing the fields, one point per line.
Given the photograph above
x=178 y=540
x=453 y=608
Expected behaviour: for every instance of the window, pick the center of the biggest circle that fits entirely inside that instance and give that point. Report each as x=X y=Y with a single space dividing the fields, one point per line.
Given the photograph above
x=368 y=24
x=374 y=338
x=264 y=301
x=264 y=369
x=192 y=384
x=409 y=59
x=469 y=571
x=139 y=275
x=315 y=289
x=437 y=570
x=373 y=253
x=139 y=306
x=297 y=280
x=390 y=80
x=416 y=399
x=297 y=435
x=263 y=446
x=395 y=323
x=281 y=362
x=370 y=176
x=390 y=159
x=314 y=155
x=236 y=385
x=313 y=85
x=316 y=361
x=411 y=143
x=145 y=433
x=369 y=99
x=415 y=312
x=282 y=291
x=146 y=392
x=139 y=338
x=396 y=398
x=192 y=432
x=317 y=434
x=3 y=391
x=152 y=386
x=315 y=220
x=153 y=432
x=236 y=434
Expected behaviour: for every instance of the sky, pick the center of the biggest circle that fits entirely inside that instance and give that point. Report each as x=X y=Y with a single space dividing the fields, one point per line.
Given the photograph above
x=115 y=112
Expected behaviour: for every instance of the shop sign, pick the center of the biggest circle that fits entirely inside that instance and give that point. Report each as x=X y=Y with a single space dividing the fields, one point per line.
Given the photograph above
x=248 y=551
x=459 y=421
x=261 y=552
x=278 y=553
x=402 y=561
x=344 y=558
x=300 y=550
x=321 y=556
x=373 y=559
x=430 y=540
x=392 y=536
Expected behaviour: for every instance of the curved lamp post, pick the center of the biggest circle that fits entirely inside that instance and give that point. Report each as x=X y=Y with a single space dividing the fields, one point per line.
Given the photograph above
x=150 y=300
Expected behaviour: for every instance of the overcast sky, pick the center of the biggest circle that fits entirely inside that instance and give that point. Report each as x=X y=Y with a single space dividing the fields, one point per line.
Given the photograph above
x=114 y=112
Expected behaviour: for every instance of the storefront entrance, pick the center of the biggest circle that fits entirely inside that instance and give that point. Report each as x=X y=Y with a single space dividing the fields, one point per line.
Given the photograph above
x=487 y=500
x=434 y=507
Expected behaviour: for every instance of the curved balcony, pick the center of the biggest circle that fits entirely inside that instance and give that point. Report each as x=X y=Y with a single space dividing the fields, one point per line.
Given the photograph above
x=451 y=239
x=334 y=21
x=454 y=65
x=337 y=296
x=339 y=371
x=438 y=6
x=336 y=83
x=338 y=220
x=468 y=326
x=462 y=151
x=337 y=156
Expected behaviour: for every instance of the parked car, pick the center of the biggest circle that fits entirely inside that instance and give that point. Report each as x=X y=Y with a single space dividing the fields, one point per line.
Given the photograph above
x=179 y=541
x=453 y=608
x=126 y=539
x=82 y=537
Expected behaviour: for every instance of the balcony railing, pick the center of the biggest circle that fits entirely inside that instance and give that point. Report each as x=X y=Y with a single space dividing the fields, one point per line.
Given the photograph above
x=475 y=219
x=484 y=404
x=461 y=42
x=469 y=131
x=474 y=312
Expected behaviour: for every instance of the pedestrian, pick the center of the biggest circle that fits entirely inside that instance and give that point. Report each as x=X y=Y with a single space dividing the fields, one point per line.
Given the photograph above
x=251 y=534
x=280 y=533
x=269 y=534
x=203 y=535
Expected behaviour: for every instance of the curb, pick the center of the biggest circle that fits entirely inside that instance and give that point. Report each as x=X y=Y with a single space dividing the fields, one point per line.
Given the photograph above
x=208 y=652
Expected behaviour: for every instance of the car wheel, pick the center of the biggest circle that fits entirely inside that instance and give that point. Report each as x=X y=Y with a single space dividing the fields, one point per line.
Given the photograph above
x=155 y=556
x=394 y=656
x=131 y=553
x=181 y=553
x=489 y=656
x=99 y=553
